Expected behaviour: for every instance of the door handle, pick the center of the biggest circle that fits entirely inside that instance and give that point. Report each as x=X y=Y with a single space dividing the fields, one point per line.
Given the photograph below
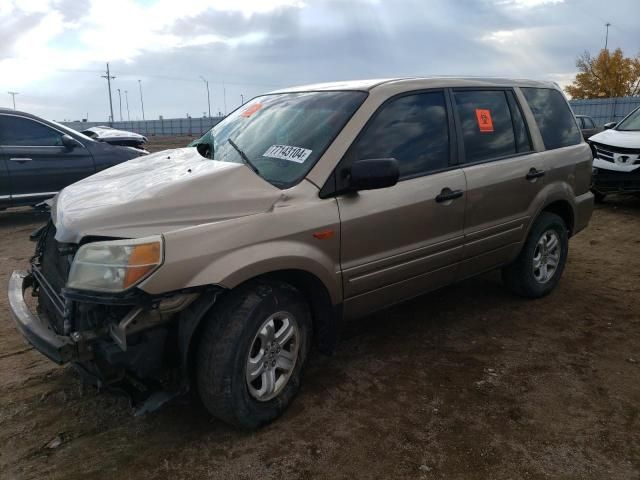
x=447 y=194
x=534 y=173
x=20 y=160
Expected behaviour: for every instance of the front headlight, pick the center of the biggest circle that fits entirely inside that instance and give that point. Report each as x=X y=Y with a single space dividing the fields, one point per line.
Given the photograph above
x=115 y=266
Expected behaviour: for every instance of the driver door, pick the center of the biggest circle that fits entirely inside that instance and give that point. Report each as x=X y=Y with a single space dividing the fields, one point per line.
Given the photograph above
x=401 y=241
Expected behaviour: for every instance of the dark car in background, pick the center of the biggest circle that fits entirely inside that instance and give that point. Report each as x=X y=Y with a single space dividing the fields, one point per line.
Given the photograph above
x=38 y=158
x=587 y=126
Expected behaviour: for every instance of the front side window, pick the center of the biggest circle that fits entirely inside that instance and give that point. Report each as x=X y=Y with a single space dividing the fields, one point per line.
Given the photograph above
x=488 y=130
x=413 y=129
x=588 y=122
x=631 y=123
x=553 y=116
x=19 y=131
x=281 y=136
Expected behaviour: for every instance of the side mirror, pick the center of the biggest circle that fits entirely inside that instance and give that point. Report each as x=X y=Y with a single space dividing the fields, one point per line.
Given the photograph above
x=69 y=142
x=609 y=125
x=374 y=173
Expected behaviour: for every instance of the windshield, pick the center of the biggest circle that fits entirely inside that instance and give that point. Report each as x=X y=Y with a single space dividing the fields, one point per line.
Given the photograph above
x=281 y=136
x=632 y=122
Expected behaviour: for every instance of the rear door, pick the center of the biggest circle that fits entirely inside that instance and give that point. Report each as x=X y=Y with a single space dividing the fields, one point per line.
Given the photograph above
x=401 y=241
x=503 y=175
x=39 y=165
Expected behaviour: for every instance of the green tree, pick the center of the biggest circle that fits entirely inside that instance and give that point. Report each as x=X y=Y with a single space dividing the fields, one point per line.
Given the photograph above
x=607 y=75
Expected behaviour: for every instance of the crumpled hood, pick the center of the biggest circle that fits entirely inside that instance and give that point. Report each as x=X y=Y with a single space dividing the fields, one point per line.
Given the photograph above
x=158 y=193
x=617 y=138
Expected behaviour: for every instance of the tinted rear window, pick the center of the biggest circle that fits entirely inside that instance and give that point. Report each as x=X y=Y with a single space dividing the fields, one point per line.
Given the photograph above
x=554 y=118
x=487 y=128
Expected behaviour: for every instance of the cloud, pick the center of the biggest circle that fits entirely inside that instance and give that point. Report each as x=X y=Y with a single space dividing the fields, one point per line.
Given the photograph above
x=53 y=51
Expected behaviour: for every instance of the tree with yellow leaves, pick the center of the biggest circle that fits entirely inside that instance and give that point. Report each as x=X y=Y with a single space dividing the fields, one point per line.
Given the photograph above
x=607 y=75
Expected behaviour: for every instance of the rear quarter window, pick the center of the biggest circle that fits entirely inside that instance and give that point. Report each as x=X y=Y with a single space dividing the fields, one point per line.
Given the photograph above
x=553 y=116
x=487 y=125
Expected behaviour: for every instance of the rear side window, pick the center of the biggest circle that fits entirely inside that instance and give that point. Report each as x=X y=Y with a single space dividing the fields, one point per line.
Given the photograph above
x=413 y=129
x=555 y=121
x=588 y=122
x=491 y=123
x=19 y=131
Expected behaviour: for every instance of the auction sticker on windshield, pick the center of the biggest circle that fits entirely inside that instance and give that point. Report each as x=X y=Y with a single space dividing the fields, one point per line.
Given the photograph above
x=286 y=152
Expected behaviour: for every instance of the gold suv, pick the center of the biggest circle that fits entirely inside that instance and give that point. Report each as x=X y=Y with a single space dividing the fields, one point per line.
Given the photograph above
x=217 y=267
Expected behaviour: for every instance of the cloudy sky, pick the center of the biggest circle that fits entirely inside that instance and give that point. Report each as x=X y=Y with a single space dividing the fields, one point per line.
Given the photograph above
x=53 y=51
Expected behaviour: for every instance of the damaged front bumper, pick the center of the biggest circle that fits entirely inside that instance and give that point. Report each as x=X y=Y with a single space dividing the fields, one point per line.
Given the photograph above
x=59 y=348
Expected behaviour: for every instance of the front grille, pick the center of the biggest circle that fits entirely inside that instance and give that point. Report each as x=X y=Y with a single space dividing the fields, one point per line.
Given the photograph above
x=608 y=153
x=51 y=270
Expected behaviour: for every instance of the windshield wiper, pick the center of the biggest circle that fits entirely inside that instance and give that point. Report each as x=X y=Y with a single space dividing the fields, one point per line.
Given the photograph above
x=243 y=156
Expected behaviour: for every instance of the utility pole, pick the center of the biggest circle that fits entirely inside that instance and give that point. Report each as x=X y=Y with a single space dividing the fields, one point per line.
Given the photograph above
x=13 y=95
x=109 y=78
x=606 y=38
x=141 y=102
x=126 y=99
x=120 y=101
x=206 y=82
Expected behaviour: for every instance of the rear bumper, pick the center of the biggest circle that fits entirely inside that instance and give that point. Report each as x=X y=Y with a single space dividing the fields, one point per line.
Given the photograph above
x=61 y=349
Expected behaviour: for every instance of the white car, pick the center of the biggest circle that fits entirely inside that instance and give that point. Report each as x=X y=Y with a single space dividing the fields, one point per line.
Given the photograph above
x=616 y=162
x=114 y=136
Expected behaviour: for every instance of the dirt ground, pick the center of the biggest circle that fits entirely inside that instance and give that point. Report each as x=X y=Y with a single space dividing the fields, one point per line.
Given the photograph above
x=468 y=382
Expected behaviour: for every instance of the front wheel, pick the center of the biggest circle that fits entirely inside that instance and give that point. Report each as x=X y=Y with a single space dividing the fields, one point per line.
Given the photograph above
x=252 y=352
x=538 y=268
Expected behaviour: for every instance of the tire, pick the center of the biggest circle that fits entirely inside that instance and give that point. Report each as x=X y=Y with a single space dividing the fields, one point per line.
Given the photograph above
x=237 y=332
x=521 y=277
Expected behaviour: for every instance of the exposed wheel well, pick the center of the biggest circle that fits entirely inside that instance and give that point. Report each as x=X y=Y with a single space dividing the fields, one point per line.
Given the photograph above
x=326 y=316
x=563 y=209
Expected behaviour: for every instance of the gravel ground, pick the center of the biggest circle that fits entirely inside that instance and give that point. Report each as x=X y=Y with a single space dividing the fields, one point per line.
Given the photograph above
x=468 y=382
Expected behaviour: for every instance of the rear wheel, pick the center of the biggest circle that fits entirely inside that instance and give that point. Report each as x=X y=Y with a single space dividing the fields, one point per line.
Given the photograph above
x=252 y=353
x=538 y=268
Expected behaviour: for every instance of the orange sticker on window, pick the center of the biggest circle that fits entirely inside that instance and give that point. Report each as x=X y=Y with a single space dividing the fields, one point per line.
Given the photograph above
x=252 y=109
x=485 y=124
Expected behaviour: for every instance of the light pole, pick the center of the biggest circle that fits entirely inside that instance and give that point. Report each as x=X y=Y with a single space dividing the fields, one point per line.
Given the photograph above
x=126 y=100
x=241 y=99
x=141 y=102
x=206 y=82
x=120 y=101
x=224 y=97
x=109 y=77
x=606 y=38
x=13 y=96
